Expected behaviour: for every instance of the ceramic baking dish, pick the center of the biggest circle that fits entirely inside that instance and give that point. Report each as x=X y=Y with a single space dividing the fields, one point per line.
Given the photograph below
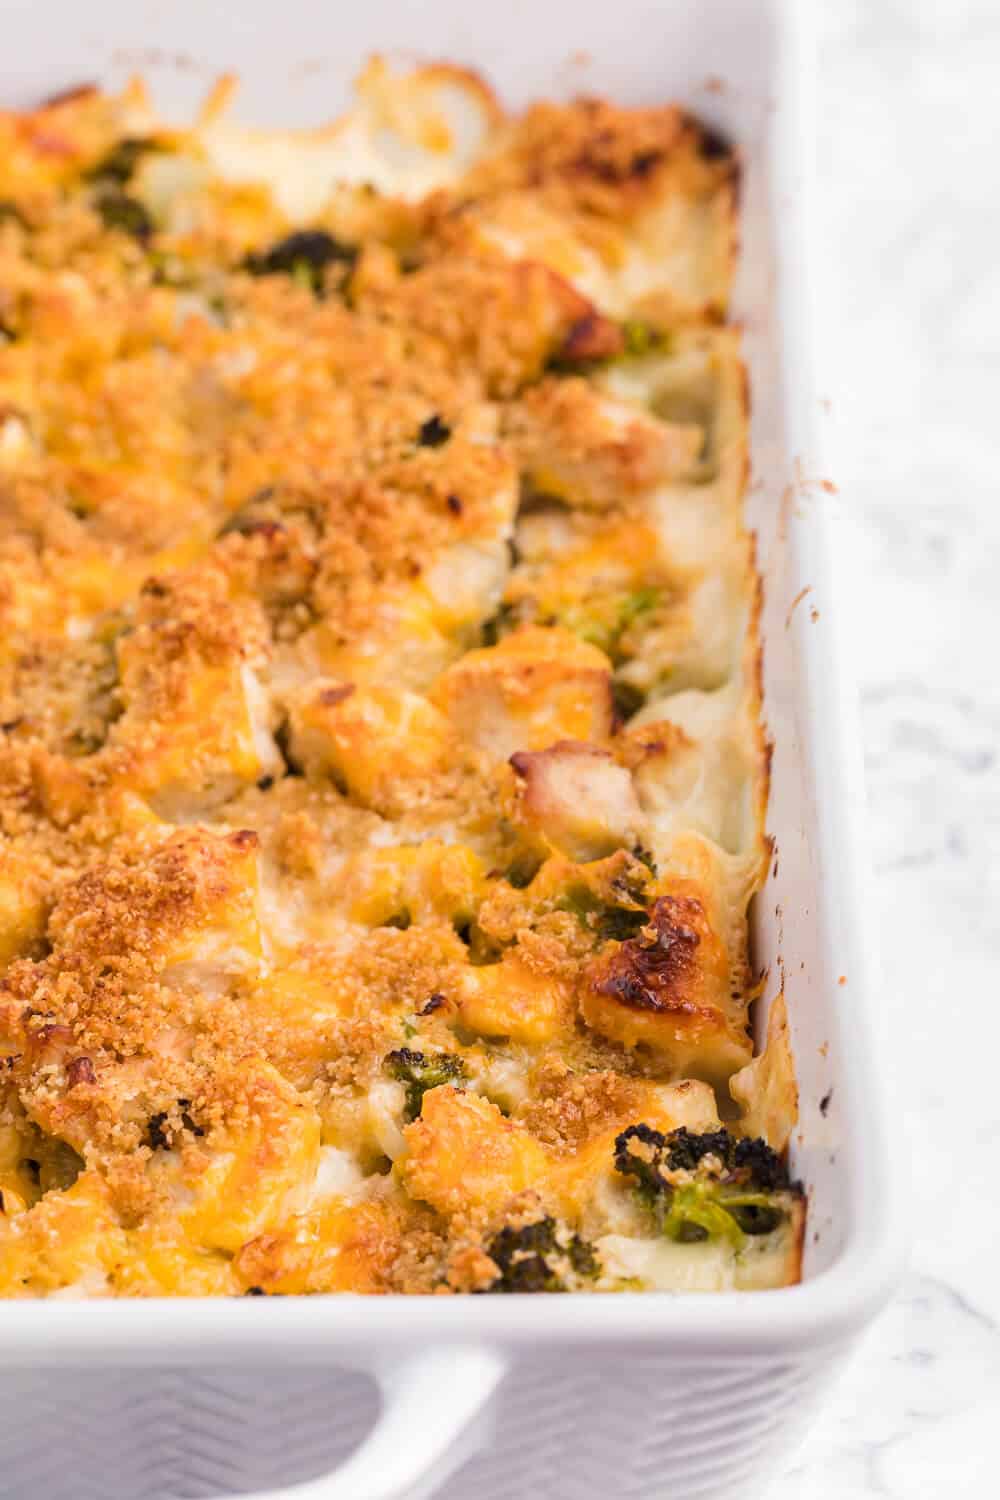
x=628 y=1395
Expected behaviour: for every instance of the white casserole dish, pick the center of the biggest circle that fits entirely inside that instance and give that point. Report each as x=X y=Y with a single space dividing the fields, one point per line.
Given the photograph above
x=598 y=1395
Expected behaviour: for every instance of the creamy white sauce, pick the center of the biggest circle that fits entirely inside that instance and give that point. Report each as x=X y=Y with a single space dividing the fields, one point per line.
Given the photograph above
x=663 y=1265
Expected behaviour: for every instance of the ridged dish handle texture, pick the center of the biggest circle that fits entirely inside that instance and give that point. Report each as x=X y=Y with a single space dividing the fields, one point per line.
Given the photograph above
x=433 y=1418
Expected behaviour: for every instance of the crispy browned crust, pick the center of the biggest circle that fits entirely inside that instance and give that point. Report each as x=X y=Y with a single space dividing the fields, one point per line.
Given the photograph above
x=336 y=936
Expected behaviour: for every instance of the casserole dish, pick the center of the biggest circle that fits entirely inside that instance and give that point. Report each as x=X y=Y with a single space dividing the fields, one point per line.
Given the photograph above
x=731 y=1378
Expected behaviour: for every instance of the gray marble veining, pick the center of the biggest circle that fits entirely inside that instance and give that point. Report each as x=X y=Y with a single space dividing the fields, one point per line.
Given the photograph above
x=909 y=121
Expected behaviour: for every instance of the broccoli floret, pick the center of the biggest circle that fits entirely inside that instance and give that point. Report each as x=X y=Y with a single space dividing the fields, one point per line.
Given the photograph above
x=627 y=699
x=303 y=255
x=620 y=923
x=685 y=1149
x=523 y=868
x=638 y=1153
x=599 y=917
x=120 y=211
x=706 y=1185
x=603 y=622
x=619 y=912
x=422 y=1071
x=765 y=1166
x=642 y=338
x=481 y=948
x=433 y=432
x=118 y=164
x=540 y=1257
x=498 y=625
x=638 y=602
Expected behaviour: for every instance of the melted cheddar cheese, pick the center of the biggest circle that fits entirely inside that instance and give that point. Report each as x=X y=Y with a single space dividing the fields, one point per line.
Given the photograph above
x=381 y=775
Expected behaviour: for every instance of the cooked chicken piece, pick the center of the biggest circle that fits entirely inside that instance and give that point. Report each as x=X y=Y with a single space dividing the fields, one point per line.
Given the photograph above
x=536 y=687
x=578 y=798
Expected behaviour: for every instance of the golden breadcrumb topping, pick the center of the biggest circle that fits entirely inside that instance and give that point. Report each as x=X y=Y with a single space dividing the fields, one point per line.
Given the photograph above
x=381 y=776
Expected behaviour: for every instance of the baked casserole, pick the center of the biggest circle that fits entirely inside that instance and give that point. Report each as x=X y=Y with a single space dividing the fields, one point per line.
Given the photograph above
x=382 y=778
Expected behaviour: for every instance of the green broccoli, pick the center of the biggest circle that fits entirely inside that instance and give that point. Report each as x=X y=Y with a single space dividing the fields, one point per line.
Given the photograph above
x=603 y=920
x=523 y=868
x=499 y=624
x=711 y=1185
x=603 y=622
x=638 y=602
x=422 y=1071
x=120 y=211
x=303 y=255
x=109 y=176
x=620 y=911
x=642 y=338
x=627 y=699
x=541 y=1257
x=433 y=433
x=119 y=164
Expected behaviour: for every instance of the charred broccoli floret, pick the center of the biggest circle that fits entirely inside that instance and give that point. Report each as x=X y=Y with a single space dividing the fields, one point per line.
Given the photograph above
x=499 y=624
x=433 y=433
x=711 y=1185
x=540 y=1257
x=523 y=869
x=421 y=1071
x=303 y=255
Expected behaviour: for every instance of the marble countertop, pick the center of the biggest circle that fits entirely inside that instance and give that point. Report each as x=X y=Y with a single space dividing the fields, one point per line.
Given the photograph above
x=910 y=352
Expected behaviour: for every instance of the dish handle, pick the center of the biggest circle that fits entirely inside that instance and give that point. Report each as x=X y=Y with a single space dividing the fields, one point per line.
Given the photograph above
x=433 y=1417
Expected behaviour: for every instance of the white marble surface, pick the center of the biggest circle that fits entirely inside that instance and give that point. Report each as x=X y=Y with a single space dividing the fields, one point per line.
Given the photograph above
x=909 y=119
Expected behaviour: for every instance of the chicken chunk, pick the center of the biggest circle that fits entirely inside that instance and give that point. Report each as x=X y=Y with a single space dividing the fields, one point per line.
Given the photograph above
x=577 y=798
x=593 y=451
x=463 y=1154
x=376 y=742
x=680 y=985
x=536 y=687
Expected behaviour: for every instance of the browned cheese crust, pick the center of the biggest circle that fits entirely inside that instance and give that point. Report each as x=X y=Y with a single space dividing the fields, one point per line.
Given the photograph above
x=381 y=781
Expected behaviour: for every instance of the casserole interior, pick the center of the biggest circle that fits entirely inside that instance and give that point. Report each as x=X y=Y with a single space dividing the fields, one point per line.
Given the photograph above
x=783 y=911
